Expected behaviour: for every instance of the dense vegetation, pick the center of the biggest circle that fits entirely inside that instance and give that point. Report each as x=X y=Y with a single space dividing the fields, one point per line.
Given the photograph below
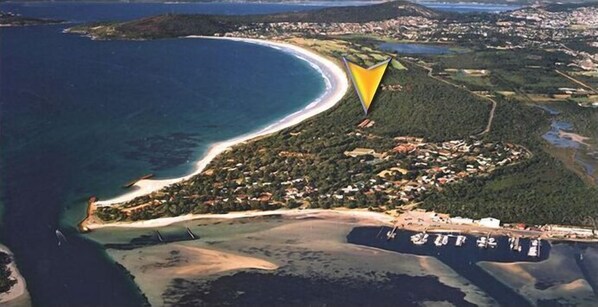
x=540 y=190
x=5 y=281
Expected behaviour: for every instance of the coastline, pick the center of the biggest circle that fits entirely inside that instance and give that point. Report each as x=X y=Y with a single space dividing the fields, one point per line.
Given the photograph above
x=336 y=86
x=19 y=290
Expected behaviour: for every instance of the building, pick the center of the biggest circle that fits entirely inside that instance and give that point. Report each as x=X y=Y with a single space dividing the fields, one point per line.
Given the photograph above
x=489 y=222
x=461 y=221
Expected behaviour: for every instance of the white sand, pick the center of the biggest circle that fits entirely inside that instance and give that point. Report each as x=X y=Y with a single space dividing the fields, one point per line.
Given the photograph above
x=19 y=289
x=336 y=87
x=165 y=221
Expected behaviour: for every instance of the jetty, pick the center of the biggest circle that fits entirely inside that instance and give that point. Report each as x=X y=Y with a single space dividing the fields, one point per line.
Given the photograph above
x=191 y=234
x=133 y=182
x=159 y=236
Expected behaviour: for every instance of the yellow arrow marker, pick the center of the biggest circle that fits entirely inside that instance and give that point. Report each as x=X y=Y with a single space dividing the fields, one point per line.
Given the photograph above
x=366 y=80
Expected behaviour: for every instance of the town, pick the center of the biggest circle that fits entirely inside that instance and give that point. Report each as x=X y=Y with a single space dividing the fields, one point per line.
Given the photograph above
x=533 y=27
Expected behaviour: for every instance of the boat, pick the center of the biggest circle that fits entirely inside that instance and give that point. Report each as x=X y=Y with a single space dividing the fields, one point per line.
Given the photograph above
x=460 y=240
x=482 y=242
x=420 y=238
x=438 y=241
x=514 y=244
x=391 y=234
x=61 y=238
x=445 y=240
x=534 y=248
x=492 y=242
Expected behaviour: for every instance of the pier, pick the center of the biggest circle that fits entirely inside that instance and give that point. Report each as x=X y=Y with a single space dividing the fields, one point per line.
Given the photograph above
x=133 y=182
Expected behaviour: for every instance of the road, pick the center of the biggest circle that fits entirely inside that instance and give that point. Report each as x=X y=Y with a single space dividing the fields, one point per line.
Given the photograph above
x=576 y=81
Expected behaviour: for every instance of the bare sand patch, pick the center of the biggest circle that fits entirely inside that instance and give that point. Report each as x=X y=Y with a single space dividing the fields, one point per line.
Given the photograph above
x=154 y=267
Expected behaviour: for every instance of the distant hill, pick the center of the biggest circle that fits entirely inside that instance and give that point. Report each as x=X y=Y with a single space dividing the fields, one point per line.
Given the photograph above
x=174 y=25
x=559 y=7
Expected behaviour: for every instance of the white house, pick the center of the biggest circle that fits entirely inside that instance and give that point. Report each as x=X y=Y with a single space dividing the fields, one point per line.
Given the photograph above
x=489 y=222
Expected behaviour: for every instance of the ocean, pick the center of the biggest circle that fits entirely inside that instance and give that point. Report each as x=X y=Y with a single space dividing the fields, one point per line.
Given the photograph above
x=81 y=118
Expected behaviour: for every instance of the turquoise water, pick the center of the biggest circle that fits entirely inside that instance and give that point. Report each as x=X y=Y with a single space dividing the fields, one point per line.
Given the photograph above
x=81 y=117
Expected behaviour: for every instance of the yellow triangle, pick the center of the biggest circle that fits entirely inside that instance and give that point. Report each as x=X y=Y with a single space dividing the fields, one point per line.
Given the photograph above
x=366 y=80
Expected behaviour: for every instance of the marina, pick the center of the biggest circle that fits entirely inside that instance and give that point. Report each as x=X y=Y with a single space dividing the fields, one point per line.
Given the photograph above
x=461 y=253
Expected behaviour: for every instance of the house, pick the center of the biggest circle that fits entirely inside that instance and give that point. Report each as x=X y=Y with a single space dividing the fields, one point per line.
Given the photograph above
x=489 y=222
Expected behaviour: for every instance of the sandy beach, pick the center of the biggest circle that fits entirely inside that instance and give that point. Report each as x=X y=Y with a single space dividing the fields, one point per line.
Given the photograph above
x=540 y=281
x=378 y=217
x=17 y=295
x=336 y=87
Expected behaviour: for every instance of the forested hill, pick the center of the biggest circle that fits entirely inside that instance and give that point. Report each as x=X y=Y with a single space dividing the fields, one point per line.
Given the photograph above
x=560 y=7
x=176 y=25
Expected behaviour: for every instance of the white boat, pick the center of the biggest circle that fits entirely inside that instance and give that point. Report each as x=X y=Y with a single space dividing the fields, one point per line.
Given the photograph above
x=416 y=237
x=482 y=242
x=438 y=241
x=61 y=238
x=460 y=240
x=445 y=239
x=514 y=244
x=534 y=248
x=391 y=234
x=492 y=242
x=420 y=238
